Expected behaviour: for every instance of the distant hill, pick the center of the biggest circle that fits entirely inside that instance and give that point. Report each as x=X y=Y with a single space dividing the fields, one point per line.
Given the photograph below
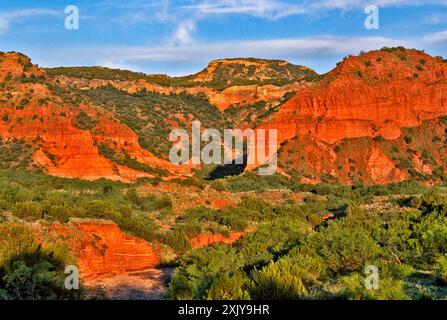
x=231 y=72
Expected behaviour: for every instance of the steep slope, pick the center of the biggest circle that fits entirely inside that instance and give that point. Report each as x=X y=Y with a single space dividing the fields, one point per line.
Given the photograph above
x=66 y=131
x=375 y=118
x=373 y=96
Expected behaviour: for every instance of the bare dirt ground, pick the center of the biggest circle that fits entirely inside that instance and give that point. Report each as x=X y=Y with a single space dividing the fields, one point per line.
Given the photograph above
x=146 y=285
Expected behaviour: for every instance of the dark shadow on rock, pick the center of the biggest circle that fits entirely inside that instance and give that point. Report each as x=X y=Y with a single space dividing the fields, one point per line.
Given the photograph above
x=233 y=169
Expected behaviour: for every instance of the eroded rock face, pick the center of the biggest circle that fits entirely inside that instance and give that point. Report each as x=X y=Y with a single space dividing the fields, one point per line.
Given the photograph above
x=374 y=95
x=247 y=95
x=104 y=250
x=382 y=169
x=14 y=64
x=32 y=112
x=222 y=99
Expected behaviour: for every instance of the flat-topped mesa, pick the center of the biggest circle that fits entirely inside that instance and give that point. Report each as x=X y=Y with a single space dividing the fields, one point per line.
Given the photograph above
x=252 y=71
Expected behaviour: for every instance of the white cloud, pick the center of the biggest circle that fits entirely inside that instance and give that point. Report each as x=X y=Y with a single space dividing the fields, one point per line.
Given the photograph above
x=436 y=38
x=7 y=18
x=183 y=32
x=276 y=9
x=258 y=8
x=296 y=48
x=309 y=51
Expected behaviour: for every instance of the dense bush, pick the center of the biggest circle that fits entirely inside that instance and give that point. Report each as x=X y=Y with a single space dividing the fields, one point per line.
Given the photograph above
x=279 y=280
x=288 y=252
x=177 y=240
x=30 y=272
x=290 y=257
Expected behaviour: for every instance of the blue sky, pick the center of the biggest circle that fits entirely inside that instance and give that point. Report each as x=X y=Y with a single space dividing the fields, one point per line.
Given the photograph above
x=181 y=36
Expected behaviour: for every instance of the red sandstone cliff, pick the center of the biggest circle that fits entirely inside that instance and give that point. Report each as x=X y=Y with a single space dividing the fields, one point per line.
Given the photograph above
x=332 y=128
x=32 y=111
x=376 y=94
x=103 y=250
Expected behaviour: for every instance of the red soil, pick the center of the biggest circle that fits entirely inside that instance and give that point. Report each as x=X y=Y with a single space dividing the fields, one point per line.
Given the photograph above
x=205 y=240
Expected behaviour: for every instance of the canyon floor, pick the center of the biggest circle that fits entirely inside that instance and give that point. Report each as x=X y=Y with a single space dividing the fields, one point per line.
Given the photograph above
x=141 y=285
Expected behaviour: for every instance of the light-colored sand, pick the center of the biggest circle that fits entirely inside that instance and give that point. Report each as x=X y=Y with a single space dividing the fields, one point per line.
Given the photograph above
x=147 y=285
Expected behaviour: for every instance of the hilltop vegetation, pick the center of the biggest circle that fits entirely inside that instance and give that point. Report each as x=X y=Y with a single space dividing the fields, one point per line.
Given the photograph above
x=219 y=74
x=115 y=74
x=238 y=72
x=152 y=116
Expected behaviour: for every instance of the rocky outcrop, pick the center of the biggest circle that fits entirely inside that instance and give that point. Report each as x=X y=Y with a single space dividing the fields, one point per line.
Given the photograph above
x=14 y=64
x=250 y=94
x=374 y=95
x=34 y=112
x=103 y=250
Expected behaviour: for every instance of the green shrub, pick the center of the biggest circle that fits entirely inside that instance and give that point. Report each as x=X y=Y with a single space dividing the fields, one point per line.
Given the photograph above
x=346 y=249
x=219 y=185
x=279 y=280
x=28 y=210
x=29 y=272
x=198 y=270
x=229 y=287
x=441 y=269
x=178 y=241
x=353 y=288
x=84 y=121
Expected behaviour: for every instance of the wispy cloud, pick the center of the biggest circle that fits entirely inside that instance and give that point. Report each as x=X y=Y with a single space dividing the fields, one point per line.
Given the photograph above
x=266 y=9
x=7 y=18
x=436 y=38
x=275 y=9
x=299 y=50
x=183 y=32
x=292 y=48
x=258 y=8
